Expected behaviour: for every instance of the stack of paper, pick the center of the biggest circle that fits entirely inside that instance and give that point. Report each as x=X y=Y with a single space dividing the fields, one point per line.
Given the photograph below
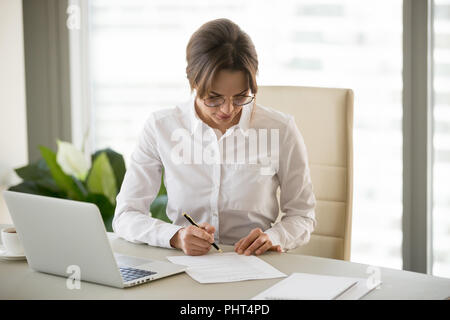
x=305 y=286
x=226 y=267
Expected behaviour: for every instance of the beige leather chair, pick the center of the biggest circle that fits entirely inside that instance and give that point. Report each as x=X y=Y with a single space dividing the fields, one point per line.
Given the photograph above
x=324 y=117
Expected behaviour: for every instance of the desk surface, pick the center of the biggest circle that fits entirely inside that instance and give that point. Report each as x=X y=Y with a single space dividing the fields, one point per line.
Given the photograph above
x=18 y=281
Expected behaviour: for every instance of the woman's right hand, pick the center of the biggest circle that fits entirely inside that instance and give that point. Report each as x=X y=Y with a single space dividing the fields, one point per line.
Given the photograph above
x=194 y=241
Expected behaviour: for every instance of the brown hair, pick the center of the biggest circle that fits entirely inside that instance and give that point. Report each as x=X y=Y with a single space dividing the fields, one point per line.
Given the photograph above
x=219 y=44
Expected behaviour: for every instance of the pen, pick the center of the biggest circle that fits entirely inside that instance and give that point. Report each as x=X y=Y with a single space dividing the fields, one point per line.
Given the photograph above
x=188 y=217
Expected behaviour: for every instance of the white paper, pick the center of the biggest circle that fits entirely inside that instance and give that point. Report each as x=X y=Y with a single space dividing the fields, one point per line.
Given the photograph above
x=306 y=286
x=226 y=267
x=361 y=289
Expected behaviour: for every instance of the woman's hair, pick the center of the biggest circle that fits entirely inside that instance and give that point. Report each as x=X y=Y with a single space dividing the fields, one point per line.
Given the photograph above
x=219 y=44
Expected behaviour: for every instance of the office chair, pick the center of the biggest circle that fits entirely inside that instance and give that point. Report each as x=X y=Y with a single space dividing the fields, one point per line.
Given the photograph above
x=324 y=117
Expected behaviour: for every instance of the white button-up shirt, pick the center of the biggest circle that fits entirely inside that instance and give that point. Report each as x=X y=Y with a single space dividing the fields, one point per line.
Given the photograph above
x=209 y=176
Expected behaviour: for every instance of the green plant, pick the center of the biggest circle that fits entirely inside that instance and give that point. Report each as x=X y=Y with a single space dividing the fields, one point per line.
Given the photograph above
x=68 y=174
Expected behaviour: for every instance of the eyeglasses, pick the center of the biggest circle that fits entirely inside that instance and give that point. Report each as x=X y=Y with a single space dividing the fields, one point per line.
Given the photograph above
x=237 y=101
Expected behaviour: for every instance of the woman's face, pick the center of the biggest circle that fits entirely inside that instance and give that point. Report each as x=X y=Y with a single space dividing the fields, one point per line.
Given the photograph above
x=226 y=84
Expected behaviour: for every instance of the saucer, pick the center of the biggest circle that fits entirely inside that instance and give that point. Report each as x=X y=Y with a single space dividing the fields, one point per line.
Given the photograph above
x=7 y=256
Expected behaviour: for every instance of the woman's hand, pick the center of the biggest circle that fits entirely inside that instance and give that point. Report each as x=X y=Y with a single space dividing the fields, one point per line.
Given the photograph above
x=256 y=242
x=194 y=241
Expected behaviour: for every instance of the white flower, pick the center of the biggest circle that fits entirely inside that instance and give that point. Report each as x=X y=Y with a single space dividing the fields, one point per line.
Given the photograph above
x=72 y=161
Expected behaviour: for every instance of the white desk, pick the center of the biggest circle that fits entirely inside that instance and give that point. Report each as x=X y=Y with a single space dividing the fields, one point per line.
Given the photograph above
x=18 y=281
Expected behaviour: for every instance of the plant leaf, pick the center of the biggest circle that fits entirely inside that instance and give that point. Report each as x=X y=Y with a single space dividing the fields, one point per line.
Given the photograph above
x=162 y=188
x=159 y=205
x=105 y=207
x=35 y=188
x=158 y=208
x=39 y=173
x=80 y=186
x=101 y=178
x=117 y=164
x=35 y=171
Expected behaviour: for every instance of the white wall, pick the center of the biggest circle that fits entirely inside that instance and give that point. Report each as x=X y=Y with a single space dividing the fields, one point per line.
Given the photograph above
x=13 y=122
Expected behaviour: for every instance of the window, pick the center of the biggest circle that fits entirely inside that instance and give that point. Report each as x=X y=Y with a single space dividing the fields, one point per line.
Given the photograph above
x=137 y=54
x=441 y=139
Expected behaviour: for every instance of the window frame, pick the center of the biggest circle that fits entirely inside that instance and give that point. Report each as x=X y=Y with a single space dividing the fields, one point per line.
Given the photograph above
x=417 y=135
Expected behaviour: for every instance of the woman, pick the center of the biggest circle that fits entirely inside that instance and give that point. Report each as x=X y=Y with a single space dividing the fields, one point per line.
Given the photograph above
x=234 y=198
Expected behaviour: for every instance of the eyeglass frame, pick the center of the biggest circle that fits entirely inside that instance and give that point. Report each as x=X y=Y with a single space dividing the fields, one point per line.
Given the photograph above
x=253 y=96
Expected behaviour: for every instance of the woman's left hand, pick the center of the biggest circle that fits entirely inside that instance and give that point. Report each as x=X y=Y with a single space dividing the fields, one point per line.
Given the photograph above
x=256 y=242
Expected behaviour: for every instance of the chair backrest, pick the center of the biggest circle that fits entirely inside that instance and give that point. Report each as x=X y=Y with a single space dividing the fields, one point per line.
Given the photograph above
x=324 y=117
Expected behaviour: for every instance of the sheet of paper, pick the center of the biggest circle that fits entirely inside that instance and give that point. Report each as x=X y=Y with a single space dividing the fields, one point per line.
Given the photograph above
x=361 y=289
x=226 y=267
x=306 y=286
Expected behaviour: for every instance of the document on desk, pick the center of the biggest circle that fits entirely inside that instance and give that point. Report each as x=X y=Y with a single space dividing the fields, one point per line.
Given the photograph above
x=226 y=267
x=306 y=286
x=361 y=289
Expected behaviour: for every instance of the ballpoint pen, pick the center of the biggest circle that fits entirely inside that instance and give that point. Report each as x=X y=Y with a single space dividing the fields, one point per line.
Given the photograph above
x=188 y=217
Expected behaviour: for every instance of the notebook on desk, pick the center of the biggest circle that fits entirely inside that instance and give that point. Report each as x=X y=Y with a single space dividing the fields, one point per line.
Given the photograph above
x=306 y=286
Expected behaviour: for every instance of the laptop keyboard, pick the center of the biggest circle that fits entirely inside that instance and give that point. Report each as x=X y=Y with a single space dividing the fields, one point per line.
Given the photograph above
x=129 y=274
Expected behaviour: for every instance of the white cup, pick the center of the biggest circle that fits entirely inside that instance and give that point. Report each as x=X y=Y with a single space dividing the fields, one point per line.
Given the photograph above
x=11 y=241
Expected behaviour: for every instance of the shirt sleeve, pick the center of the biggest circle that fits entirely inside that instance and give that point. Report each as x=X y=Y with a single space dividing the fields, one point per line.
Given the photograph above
x=132 y=219
x=297 y=200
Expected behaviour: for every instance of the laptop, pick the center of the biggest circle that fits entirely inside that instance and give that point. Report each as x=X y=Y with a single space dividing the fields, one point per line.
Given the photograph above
x=60 y=235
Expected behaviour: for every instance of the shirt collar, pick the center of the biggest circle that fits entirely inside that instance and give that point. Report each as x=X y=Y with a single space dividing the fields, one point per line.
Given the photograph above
x=194 y=119
x=243 y=124
x=244 y=121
